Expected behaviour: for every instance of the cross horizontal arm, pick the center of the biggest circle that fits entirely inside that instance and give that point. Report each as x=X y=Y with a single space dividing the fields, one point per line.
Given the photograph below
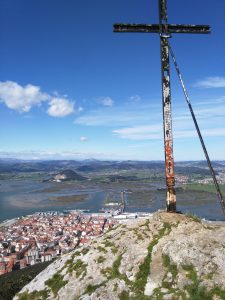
x=156 y=28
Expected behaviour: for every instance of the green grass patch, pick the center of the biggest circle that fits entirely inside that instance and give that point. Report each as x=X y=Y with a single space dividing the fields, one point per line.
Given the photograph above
x=219 y=292
x=79 y=266
x=191 y=272
x=169 y=285
x=77 y=253
x=115 y=287
x=197 y=291
x=113 y=228
x=172 y=268
x=70 y=261
x=209 y=276
x=84 y=251
x=35 y=295
x=107 y=243
x=106 y=272
x=146 y=223
x=101 y=249
x=205 y=187
x=113 y=272
x=144 y=269
x=115 y=267
x=92 y=288
x=114 y=249
x=110 y=245
x=138 y=234
x=100 y=259
x=158 y=294
x=56 y=283
x=194 y=217
x=124 y=295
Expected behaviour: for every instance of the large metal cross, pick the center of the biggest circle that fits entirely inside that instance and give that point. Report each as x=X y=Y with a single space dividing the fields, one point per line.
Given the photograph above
x=165 y=30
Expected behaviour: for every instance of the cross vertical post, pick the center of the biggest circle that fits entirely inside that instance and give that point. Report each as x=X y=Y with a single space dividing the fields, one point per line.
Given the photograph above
x=165 y=31
x=166 y=103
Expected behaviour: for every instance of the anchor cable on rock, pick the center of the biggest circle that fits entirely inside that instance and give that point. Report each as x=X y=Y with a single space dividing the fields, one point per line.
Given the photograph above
x=219 y=194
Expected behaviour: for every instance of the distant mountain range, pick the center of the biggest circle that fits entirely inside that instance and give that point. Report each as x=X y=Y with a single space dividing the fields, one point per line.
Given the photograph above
x=53 y=166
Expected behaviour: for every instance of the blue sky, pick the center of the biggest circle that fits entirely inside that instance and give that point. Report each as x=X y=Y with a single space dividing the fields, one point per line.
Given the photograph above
x=71 y=88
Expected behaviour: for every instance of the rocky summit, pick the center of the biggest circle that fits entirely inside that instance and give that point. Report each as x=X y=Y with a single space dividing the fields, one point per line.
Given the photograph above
x=168 y=256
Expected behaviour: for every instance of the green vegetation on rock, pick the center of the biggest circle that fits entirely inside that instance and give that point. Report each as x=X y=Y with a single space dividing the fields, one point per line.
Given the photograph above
x=194 y=218
x=84 y=251
x=137 y=287
x=196 y=290
x=138 y=234
x=113 y=272
x=79 y=267
x=124 y=295
x=101 y=249
x=144 y=268
x=172 y=268
x=35 y=295
x=100 y=259
x=115 y=267
x=109 y=244
x=56 y=283
x=92 y=288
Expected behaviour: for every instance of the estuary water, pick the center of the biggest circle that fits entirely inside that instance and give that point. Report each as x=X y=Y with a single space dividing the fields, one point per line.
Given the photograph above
x=26 y=196
x=22 y=197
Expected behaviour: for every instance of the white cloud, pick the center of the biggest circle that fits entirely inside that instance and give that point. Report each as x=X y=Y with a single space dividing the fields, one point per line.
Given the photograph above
x=211 y=82
x=209 y=132
x=83 y=138
x=150 y=132
x=60 y=107
x=135 y=98
x=102 y=118
x=209 y=102
x=143 y=121
x=155 y=132
x=123 y=115
x=106 y=101
x=46 y=155
x=21 y=98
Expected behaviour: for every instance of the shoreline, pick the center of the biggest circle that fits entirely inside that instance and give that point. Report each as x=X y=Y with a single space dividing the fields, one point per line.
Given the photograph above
x=10 y=222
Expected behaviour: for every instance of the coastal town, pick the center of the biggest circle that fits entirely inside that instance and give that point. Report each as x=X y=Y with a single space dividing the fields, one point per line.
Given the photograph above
x=45 y=236
x=189 y=179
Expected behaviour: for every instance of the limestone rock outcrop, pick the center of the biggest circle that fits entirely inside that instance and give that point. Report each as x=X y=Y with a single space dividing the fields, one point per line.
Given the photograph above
x=168 y=256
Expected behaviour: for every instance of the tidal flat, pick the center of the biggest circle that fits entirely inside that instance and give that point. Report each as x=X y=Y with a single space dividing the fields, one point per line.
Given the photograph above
x=71 y=198
x=23 y=196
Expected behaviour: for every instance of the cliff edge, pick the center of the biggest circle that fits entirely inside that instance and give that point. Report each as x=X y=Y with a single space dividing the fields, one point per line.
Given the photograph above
x=168 y=256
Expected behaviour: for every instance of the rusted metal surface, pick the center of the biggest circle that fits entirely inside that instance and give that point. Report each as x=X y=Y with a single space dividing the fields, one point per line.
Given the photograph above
x=155 y=28
x=165 y=30
x=166 y=103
